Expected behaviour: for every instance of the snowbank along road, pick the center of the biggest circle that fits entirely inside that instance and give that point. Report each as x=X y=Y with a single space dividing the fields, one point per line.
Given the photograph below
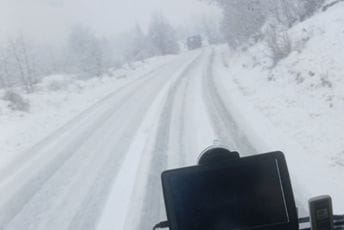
x=102 y=169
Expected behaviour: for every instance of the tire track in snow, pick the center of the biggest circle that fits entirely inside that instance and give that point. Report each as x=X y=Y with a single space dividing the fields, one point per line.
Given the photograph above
x=28 y=188
x=124 y=191
x=98 y=194
x=225 y=127
x=181 y=149
x=153 y=210
x=40 y=175
x=74 y=124
x=100 y=189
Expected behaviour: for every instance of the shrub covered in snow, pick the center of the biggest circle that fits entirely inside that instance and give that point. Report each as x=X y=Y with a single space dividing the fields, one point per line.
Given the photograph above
x=16 y=101
x=277 y=40
x=56 y=82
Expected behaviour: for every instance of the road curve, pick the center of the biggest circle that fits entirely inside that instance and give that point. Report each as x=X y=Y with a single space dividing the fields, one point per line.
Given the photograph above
x=61 y=183
x=67 y=180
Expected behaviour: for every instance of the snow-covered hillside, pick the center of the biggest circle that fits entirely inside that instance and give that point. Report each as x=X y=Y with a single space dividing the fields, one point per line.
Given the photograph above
x=302 y=96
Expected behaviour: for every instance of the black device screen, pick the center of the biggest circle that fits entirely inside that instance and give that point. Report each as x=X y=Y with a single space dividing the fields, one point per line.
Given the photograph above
x=244 y=195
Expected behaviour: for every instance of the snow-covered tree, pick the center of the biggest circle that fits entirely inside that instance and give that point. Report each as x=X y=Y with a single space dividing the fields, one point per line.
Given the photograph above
x=4 y=73
x=138 y=46
x=277 y=39
x=308 y=7
x=87 y=53
x=288 y=12
x=241 y=20
x=211 y=30
x=23 y=62
x=244 y=19
x=162 y=36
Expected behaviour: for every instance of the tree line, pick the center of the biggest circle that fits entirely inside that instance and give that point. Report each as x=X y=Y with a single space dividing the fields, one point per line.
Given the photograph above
x=249 y=21
x=24 y=62
x=245 y=19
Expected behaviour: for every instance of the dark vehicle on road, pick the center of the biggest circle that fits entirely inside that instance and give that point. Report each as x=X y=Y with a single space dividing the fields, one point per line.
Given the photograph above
x=194 y=42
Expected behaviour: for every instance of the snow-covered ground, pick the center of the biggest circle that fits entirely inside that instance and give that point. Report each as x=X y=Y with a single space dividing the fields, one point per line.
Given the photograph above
x=298 y=105
x=64 y=180
x=55 y=101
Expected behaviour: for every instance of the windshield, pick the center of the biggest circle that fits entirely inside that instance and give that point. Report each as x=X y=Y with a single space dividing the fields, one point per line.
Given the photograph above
x=98 y=98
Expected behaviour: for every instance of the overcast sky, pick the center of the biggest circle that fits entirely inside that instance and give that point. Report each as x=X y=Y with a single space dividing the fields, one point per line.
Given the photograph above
x=51 y=19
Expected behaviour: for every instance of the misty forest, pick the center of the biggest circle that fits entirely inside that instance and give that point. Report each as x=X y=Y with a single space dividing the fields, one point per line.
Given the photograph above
x=25 y=61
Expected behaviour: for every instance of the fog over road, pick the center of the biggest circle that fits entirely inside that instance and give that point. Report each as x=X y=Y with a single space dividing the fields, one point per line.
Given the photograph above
x=102 y=169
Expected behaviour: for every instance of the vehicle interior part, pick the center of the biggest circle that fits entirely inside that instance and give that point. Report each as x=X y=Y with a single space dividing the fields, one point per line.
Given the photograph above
x=251 y=192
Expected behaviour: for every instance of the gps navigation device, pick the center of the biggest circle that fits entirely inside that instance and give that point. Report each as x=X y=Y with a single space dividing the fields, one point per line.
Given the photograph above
x=246 y=193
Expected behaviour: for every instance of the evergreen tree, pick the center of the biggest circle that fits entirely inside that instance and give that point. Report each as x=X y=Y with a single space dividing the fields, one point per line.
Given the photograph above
x=139 y=47
x=87 y=52
x=162 y=36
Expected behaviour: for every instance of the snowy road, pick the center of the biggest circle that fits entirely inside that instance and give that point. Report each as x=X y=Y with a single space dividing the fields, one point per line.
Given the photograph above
x=102 y=169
